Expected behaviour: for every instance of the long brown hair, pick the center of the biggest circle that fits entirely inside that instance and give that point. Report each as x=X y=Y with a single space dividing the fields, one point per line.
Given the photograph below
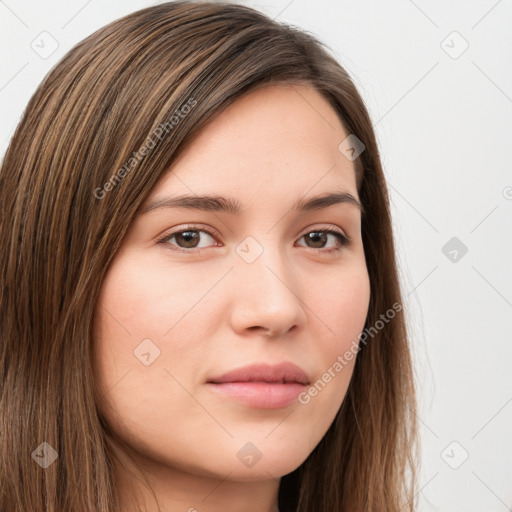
x=72 y=181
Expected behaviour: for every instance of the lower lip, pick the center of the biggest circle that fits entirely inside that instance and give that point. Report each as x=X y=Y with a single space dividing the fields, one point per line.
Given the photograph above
x=261 y=395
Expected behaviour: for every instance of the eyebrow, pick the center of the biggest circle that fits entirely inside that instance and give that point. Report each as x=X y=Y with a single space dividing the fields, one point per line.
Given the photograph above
x=210 y=203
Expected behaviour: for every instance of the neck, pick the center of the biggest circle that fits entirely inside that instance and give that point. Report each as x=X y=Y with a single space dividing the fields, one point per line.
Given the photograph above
x=158 y=488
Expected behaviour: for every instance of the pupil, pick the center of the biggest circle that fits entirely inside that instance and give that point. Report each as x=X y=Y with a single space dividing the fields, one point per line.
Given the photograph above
x=320 y=238
x=189 y=238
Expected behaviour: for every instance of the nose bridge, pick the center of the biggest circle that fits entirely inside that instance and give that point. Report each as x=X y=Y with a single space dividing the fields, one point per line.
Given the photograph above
x=264 y=265
x=268 y=293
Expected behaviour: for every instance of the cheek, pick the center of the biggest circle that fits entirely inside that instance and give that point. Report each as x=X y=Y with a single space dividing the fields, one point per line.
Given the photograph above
x=340 y=307
x=149 y=320
x=340 y=302
x=140 y=332
x=141 y=300
x=132 y=313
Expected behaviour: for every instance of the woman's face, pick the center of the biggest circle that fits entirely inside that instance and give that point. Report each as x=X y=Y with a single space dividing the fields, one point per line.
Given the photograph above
x=199 y=290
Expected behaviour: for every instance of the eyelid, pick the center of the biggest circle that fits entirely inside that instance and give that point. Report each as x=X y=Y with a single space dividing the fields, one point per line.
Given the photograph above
x=327 y=228
x=191 y=227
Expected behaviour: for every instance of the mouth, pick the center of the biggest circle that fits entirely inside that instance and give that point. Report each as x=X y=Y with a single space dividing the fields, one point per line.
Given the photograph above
x=262 y=386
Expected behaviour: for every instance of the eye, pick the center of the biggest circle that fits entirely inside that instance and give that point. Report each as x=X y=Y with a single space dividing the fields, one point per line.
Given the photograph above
x=188 y=239
x=319 y=237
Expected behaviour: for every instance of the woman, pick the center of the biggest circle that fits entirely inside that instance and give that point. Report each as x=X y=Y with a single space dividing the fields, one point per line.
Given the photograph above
x=200 y=306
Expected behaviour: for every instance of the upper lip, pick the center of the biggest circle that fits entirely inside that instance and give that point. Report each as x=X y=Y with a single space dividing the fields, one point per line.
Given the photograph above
x=263 y=372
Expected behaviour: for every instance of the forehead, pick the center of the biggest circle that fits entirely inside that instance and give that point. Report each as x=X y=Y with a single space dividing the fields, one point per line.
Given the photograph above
x=275 y=141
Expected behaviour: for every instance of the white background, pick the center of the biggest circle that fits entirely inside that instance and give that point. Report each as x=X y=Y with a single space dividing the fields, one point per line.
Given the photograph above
x=444 y=126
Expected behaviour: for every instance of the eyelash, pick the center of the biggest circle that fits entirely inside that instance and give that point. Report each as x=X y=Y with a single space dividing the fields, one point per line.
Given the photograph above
x=343 y=239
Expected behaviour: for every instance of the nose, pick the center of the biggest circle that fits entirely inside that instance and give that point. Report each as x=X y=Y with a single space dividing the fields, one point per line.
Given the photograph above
x=267 y=297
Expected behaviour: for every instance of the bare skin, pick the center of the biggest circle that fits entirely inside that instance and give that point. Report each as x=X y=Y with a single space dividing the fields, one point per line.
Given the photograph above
x=208 y=310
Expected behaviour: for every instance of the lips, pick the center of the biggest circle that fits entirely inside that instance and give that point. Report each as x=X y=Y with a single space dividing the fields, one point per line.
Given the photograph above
x=279 y=373
x=261 y=386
